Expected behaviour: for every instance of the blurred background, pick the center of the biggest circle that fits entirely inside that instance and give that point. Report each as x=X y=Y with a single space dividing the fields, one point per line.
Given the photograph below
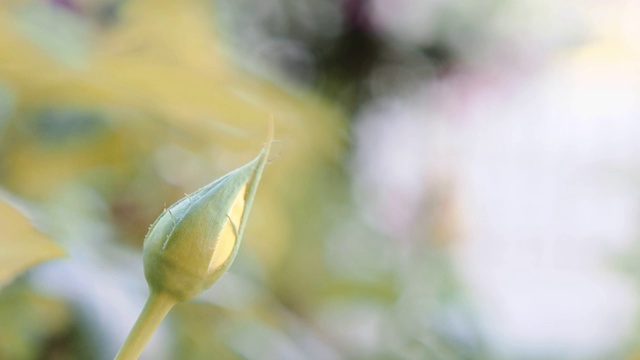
x=451 y=179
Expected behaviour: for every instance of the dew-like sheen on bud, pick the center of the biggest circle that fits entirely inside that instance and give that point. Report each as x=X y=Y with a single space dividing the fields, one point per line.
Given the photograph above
x=195 y=240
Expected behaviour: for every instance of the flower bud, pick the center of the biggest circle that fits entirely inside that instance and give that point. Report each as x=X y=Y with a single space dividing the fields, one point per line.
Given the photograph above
x=194 y=242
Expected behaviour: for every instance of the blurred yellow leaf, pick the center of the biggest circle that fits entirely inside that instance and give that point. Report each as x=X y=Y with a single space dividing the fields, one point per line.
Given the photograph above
x=21 y=245
x=168 y=61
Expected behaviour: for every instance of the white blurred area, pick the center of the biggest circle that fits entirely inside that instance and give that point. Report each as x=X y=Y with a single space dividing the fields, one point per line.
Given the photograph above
x=538 y=152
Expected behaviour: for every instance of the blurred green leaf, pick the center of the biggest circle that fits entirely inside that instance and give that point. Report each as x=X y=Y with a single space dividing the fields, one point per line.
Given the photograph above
x=32 y=324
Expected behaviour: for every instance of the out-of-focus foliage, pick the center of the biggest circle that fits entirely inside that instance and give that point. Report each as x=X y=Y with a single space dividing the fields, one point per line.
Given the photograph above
x=22 y=245
x=29 y=321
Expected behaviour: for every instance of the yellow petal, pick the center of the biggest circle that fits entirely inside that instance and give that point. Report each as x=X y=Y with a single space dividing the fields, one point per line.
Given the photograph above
x=229 y=234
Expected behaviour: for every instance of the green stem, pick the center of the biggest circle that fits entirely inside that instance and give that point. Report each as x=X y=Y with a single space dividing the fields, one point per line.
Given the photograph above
x=155 y=309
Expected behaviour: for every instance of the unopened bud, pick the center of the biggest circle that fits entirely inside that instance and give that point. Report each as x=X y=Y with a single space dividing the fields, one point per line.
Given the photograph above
x=195 y=240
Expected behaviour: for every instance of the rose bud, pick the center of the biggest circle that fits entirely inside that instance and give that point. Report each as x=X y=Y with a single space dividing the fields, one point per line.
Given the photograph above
x=192 y=244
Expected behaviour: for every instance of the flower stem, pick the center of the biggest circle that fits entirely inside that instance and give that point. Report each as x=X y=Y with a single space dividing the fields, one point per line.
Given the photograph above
x=155 y=309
